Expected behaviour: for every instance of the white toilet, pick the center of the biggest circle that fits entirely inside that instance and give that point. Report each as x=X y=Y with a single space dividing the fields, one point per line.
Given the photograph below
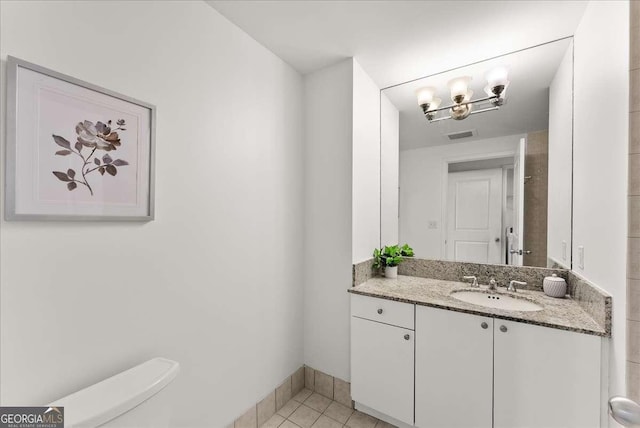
x=134 y=398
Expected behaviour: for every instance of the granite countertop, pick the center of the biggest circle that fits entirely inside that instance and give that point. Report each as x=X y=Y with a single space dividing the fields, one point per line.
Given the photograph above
x=563 y=314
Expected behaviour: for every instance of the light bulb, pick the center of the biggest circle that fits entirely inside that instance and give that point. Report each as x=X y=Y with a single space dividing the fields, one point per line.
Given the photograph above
x=459 y=87
x=497 y=99
x=425 y=95
x=498 y=76
x=435 y=103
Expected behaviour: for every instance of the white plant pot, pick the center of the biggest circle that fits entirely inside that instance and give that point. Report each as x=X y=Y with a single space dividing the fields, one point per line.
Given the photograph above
x=391 y=272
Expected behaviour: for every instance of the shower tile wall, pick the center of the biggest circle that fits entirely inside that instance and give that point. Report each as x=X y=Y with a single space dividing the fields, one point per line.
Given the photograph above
x=536 y=189
x=633 y=270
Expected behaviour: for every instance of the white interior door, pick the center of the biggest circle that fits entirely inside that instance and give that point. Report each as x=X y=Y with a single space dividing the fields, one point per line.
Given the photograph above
x=516 y=241
x=474 y=216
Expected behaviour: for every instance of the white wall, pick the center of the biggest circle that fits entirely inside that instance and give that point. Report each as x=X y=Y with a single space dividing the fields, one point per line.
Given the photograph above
x=342 y=205
x=560 y=162
x=600 y=162
x=421 y=189
x=390 y=154
x=328 y=217
x=366 y=165
x=215 y=281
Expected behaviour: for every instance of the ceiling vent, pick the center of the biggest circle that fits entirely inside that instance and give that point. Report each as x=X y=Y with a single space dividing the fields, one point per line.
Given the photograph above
x=461 y=134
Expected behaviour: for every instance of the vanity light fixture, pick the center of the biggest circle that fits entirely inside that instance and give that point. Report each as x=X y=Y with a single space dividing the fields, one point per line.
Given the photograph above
x=461 y=95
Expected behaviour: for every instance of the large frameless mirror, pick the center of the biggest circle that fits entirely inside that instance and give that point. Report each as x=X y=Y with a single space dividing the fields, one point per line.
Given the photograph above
x=477 y=161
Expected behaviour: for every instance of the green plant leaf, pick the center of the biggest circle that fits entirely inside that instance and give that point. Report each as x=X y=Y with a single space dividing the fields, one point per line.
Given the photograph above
x=61 y=176
x=101 y=170
x=377 y=260
x=393 y=261
x=61 y=142
x=63 y=152
x=78 y=146
x=96 y=161
x=111 y=169
x=107 y=159
x=120 y=162
x=391 y=255
x=71 y=173
x=406 y=250
x=71 y=185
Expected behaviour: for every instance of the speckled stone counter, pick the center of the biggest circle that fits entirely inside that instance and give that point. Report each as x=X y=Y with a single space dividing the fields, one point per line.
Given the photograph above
x=563 y=314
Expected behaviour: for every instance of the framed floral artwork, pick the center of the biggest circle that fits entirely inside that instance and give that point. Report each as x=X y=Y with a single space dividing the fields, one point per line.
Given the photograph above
x=75 y=151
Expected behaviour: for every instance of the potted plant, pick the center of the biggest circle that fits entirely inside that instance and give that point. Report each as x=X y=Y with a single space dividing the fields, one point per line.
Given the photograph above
x=389 y=257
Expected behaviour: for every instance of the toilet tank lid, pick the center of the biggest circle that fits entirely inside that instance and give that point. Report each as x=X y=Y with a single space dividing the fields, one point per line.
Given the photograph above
x=106 y=400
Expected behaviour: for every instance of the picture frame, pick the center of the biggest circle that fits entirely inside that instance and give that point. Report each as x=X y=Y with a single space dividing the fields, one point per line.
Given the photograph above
x=76 y=151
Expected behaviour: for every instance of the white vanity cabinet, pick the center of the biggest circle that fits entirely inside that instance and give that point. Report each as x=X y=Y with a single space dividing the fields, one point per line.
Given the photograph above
x=454 y=369
x=431 y=367
x=544 y=377
x=524 y=375
x=382 y=356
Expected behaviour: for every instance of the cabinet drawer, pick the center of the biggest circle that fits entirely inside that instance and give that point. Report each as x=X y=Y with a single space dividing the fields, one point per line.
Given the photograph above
x=382 y=310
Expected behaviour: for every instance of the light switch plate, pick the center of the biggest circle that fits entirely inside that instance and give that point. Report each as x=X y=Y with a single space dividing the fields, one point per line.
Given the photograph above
x=581 y=257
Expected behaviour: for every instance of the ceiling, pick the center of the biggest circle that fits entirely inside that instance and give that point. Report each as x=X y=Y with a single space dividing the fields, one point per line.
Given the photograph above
x=396 y=41
x=531 y=72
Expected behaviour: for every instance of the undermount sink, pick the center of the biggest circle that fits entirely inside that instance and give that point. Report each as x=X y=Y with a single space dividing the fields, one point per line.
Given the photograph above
x=496 y=300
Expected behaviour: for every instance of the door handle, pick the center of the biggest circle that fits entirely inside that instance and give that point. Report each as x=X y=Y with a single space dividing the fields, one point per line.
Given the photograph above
x=497 y=239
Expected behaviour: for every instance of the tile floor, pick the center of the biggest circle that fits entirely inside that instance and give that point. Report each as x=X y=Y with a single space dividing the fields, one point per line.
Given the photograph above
x=311 y=410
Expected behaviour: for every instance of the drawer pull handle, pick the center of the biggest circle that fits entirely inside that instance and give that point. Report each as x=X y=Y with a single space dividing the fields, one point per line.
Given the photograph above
x=484 y=325
x=407 y=337
x=503 y=328
x=380 y=311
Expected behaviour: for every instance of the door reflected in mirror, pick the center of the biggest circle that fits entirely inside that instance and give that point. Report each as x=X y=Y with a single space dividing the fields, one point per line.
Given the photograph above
x=484 y=167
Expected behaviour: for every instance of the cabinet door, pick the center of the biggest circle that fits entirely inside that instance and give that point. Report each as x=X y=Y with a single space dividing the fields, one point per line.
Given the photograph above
x=454 y=369
x=382 y=368
x=545 y=377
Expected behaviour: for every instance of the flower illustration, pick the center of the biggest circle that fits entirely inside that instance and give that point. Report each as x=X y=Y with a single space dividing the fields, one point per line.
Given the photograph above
x=96 y=137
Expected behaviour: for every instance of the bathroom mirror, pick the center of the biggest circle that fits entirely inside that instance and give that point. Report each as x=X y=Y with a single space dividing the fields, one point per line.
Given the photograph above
x=494 y=186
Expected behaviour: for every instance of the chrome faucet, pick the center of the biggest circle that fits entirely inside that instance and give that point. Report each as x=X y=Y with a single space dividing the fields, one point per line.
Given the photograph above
x=512 y=285
x=492 y=284
x=474 y=278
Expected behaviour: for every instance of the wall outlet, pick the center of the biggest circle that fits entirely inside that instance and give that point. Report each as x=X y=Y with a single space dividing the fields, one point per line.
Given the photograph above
x=581 y=257
x=432 y=224
x=564 y=250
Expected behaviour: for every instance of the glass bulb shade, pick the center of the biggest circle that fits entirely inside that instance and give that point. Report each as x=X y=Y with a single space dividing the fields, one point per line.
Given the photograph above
x=496 y=101
x=425 y=95
x=435 y=103
x=498 y=76
x=459 y=86
x=468 y=95
x=490 y=90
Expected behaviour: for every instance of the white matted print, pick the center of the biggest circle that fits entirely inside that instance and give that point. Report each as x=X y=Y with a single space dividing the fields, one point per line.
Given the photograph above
x=75 y=151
